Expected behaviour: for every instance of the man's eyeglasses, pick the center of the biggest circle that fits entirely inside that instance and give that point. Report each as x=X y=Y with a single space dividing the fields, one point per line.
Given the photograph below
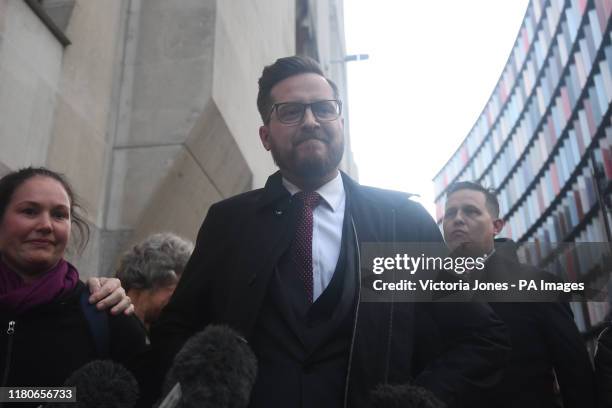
x=291 y=113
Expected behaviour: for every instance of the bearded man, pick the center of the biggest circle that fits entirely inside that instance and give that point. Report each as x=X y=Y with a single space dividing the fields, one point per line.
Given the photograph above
x=281 y=266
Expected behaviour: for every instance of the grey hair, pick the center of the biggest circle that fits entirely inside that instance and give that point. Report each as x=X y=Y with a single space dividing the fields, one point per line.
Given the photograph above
x=155 y=262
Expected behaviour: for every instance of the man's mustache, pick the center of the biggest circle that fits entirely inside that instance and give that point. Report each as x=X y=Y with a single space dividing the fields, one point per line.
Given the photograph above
x=308 y=136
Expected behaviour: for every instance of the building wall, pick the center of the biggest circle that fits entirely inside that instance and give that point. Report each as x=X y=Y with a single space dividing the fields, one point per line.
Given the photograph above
x=250 y=36
x=55 y=101
x=150 y=111
x=81 y=138
x=30 y=72
x=543 y=139
x=320 y=35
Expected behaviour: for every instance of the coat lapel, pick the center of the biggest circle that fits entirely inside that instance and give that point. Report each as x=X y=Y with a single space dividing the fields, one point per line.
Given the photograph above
x=368 y=218
x=265 y=237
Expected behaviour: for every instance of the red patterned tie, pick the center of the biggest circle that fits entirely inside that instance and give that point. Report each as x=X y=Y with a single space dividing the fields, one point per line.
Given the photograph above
x=302 y=244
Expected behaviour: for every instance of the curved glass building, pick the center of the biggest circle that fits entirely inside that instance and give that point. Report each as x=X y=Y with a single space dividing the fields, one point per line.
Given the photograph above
x=544 y=139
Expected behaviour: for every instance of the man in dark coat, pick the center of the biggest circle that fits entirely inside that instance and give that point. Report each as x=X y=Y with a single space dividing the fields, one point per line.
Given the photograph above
x=281 y=265
x=545 y=340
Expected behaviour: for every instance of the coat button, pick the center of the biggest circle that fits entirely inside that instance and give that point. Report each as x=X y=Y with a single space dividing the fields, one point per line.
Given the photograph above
x=278 y=212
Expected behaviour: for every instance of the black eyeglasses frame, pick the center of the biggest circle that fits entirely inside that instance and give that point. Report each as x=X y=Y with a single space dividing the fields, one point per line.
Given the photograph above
x=305 y=106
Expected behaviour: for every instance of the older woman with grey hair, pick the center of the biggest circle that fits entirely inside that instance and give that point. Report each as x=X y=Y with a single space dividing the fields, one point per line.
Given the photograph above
x=150 y=271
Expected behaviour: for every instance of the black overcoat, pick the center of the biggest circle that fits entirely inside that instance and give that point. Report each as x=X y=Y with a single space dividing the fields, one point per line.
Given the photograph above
x=455 y=350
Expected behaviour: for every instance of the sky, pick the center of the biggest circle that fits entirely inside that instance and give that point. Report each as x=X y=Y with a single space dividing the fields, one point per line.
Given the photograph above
x=431 y=69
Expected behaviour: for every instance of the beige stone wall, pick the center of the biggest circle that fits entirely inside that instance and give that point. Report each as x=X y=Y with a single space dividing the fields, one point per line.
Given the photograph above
x=150 y=111
x=30 y=71
x=56 y=102
x=80 y=140
x=187 y=127
x=164 y=88
x=249 y=35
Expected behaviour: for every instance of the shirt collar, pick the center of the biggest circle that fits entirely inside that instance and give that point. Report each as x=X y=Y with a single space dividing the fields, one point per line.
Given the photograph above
x=332 y=192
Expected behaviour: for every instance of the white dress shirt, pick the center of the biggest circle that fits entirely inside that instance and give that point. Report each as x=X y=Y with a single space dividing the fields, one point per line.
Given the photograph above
x=328 y=218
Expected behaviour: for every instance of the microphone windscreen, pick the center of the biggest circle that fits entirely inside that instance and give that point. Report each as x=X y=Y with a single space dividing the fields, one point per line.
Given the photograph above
x=101 y=383
x=403 y=396
x=215 y=368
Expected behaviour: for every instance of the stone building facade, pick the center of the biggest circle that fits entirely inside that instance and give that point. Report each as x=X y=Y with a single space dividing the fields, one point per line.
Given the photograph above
x=148 y=106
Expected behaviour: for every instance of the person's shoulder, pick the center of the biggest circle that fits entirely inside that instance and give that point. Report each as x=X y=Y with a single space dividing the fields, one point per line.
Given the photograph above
x=397 y=200
x=122 y=324
x=119 y=325
x=391 y=196
x=528 y=271
x=406 y=210
x=551 y=302
x=126 y=321
x=512 y=267
x=412 y=221
x=238 y=204
x=239 y=200
x=127 y=335
x=73 y=297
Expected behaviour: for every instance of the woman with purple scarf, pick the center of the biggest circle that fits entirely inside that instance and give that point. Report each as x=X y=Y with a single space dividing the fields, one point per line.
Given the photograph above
x=45 y=333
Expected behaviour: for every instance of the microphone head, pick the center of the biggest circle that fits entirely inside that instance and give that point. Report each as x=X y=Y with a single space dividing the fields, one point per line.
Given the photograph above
x=101 y=383
x=403 y=396
x=215 y=368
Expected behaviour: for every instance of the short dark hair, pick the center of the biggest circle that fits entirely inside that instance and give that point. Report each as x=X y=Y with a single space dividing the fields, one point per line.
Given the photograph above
x=13 y=180
x=490 y=195
x=284 y=68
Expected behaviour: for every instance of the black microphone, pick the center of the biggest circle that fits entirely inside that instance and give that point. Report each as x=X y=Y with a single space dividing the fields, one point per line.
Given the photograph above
x=216 y=368
x=101 y=383
x=403 y=396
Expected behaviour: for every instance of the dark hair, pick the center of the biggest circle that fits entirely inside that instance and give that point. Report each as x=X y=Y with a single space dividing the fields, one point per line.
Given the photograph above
x=490 y=195
x=12 y=181
x=284 y=68
x=157 y=261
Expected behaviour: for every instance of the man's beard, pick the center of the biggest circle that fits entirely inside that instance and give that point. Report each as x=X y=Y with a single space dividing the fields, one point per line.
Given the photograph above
x=313 y=167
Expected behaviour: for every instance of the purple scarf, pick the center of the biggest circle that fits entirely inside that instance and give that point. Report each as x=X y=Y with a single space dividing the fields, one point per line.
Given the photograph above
x=18 y=297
